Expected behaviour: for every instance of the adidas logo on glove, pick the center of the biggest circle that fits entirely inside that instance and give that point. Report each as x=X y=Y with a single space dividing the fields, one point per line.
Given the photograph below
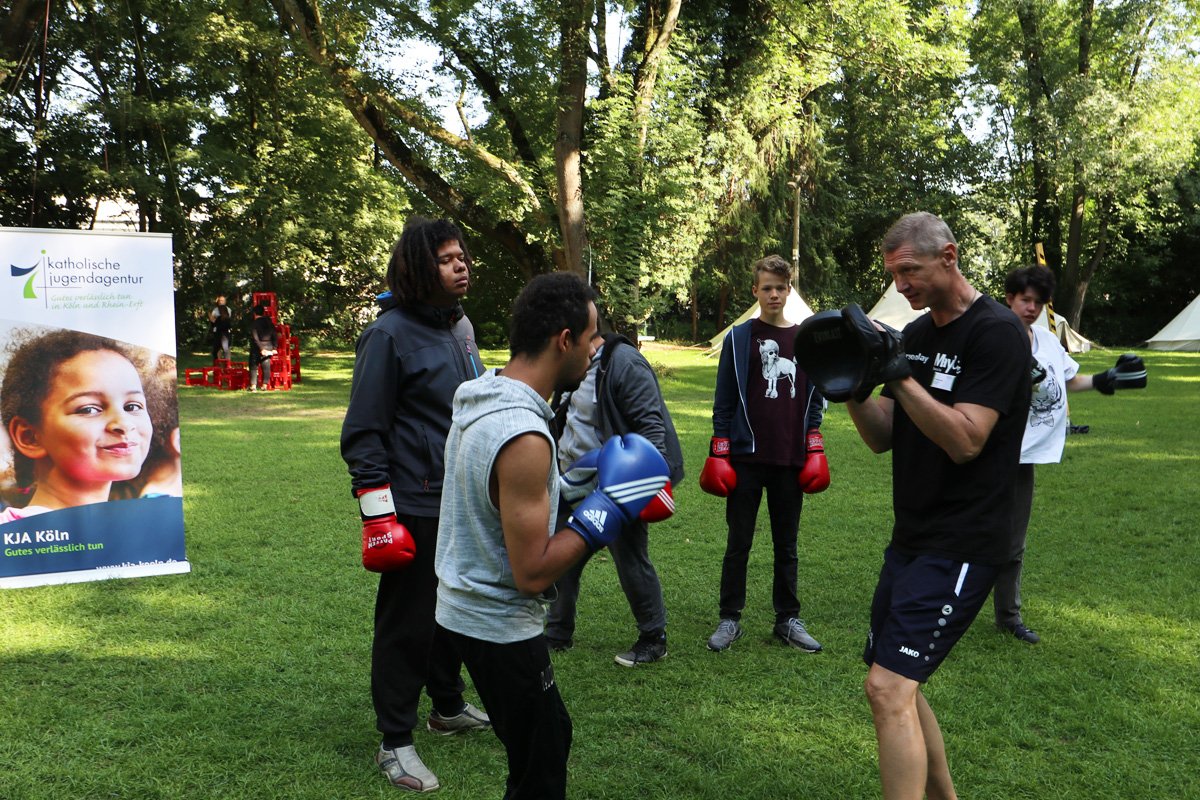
x=597 y=518
x=630 y=472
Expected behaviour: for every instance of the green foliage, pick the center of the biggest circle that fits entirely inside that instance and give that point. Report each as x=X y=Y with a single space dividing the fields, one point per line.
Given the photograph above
x=248 y=677
x=1113 y=121
x=649 y=212
x=261 y=148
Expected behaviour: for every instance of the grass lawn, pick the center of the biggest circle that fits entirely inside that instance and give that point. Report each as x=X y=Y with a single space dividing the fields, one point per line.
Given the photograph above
x=248 y=677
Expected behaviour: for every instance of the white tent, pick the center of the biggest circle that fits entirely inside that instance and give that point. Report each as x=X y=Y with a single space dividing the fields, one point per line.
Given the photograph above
x=892 y=309
x=1181 y=333
x=795 y=311
x=1072 y=340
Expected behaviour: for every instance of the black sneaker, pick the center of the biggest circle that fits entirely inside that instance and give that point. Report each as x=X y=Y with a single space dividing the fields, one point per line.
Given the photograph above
x=558 y=645
x=646 y=650
x=1024 y=634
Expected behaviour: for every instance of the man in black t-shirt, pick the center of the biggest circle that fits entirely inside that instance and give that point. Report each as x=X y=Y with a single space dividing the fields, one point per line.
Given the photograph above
x=954 y=428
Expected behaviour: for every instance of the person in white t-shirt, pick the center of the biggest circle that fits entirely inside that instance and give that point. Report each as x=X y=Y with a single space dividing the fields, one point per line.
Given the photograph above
x=1055 y=373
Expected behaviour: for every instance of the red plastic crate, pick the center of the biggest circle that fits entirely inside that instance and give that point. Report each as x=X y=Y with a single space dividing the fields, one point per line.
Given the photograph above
x=200 y=376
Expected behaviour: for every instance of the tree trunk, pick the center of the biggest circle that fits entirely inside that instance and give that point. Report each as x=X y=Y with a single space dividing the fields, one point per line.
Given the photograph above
x=694 y=303
x=17 y=32
x=1047 y=217
x=1073 y=284
x=660 y=26
x=302 y=20
x=573 y=50
x=722 y=306
x=1076 y=293
x=1065 y=304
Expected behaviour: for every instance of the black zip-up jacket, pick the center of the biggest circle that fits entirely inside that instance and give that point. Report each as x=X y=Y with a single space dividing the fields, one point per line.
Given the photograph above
x=407 y=366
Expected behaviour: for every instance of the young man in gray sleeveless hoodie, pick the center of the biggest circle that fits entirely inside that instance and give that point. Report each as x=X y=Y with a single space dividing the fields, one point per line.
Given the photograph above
x=498 y=552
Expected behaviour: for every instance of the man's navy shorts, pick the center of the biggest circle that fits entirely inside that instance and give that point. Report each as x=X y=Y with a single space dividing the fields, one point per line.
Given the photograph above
x=922 y=607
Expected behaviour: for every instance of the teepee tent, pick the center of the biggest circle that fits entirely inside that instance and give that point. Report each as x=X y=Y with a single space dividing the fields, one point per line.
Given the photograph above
x=892 y=309
x=795 y=311
x=1181 y=333
x=1071 y=340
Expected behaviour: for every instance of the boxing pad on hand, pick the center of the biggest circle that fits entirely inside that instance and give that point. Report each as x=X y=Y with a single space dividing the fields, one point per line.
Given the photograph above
x=834 y=356
x=386 y=544
x=580 y=478
x=814 y=475
x=661 y=507
x=884 y=349
x=894 y=364
x=629 y=474
x=1129 y=373
x=718 y=476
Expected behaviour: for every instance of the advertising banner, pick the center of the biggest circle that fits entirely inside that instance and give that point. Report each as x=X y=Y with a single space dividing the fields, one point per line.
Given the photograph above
x=90 y=478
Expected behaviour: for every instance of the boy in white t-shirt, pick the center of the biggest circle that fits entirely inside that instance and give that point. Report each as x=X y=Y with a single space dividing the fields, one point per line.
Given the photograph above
x=1027 y=290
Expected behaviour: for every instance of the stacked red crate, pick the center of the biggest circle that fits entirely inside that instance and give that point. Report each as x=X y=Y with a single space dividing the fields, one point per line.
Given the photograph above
x=285 y=364
x=267 y=301
x=232 y=375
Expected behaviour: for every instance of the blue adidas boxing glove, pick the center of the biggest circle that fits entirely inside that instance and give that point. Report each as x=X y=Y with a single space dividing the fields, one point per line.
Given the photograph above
x=629 y=474
x=580 y=477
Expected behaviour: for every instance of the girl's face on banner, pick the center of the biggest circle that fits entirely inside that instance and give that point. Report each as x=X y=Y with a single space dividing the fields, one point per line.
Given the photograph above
x=95 y=426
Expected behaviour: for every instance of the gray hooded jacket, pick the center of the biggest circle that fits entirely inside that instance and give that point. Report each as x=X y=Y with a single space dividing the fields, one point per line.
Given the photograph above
x=477 y=594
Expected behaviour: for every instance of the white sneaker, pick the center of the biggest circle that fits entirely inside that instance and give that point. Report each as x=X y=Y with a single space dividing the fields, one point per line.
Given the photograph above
x=405 y=769
x=469 y=719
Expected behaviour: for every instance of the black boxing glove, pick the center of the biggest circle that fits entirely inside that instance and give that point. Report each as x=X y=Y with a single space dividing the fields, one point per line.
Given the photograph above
x=1128 y=373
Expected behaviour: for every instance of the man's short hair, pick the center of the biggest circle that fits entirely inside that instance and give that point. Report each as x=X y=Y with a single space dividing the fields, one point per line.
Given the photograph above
x=1040 y=280
x=413 y=274
x=259 y=310
x=548 y=304
x=927 y=233
x=775 y=265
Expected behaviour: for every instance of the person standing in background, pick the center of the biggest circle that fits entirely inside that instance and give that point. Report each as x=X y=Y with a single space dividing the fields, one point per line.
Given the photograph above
x=767 y=418
x=220 y=328
x=1027 y=291
x=264 y=341
x=620 y=394
x=408 y=365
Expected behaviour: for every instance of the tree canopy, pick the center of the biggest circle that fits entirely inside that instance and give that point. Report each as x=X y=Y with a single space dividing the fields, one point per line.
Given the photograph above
x=657 y=147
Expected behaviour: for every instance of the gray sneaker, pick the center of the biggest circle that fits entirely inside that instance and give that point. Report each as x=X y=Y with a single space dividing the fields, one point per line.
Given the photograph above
x=405 y=769
x=726 y=634
x=469 y=719
x=793 y=633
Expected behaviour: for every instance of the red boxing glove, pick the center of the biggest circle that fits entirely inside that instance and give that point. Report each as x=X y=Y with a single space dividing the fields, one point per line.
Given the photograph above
x=386 y=544
x=661 y=507
x=718 y=476
x=814 y=476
